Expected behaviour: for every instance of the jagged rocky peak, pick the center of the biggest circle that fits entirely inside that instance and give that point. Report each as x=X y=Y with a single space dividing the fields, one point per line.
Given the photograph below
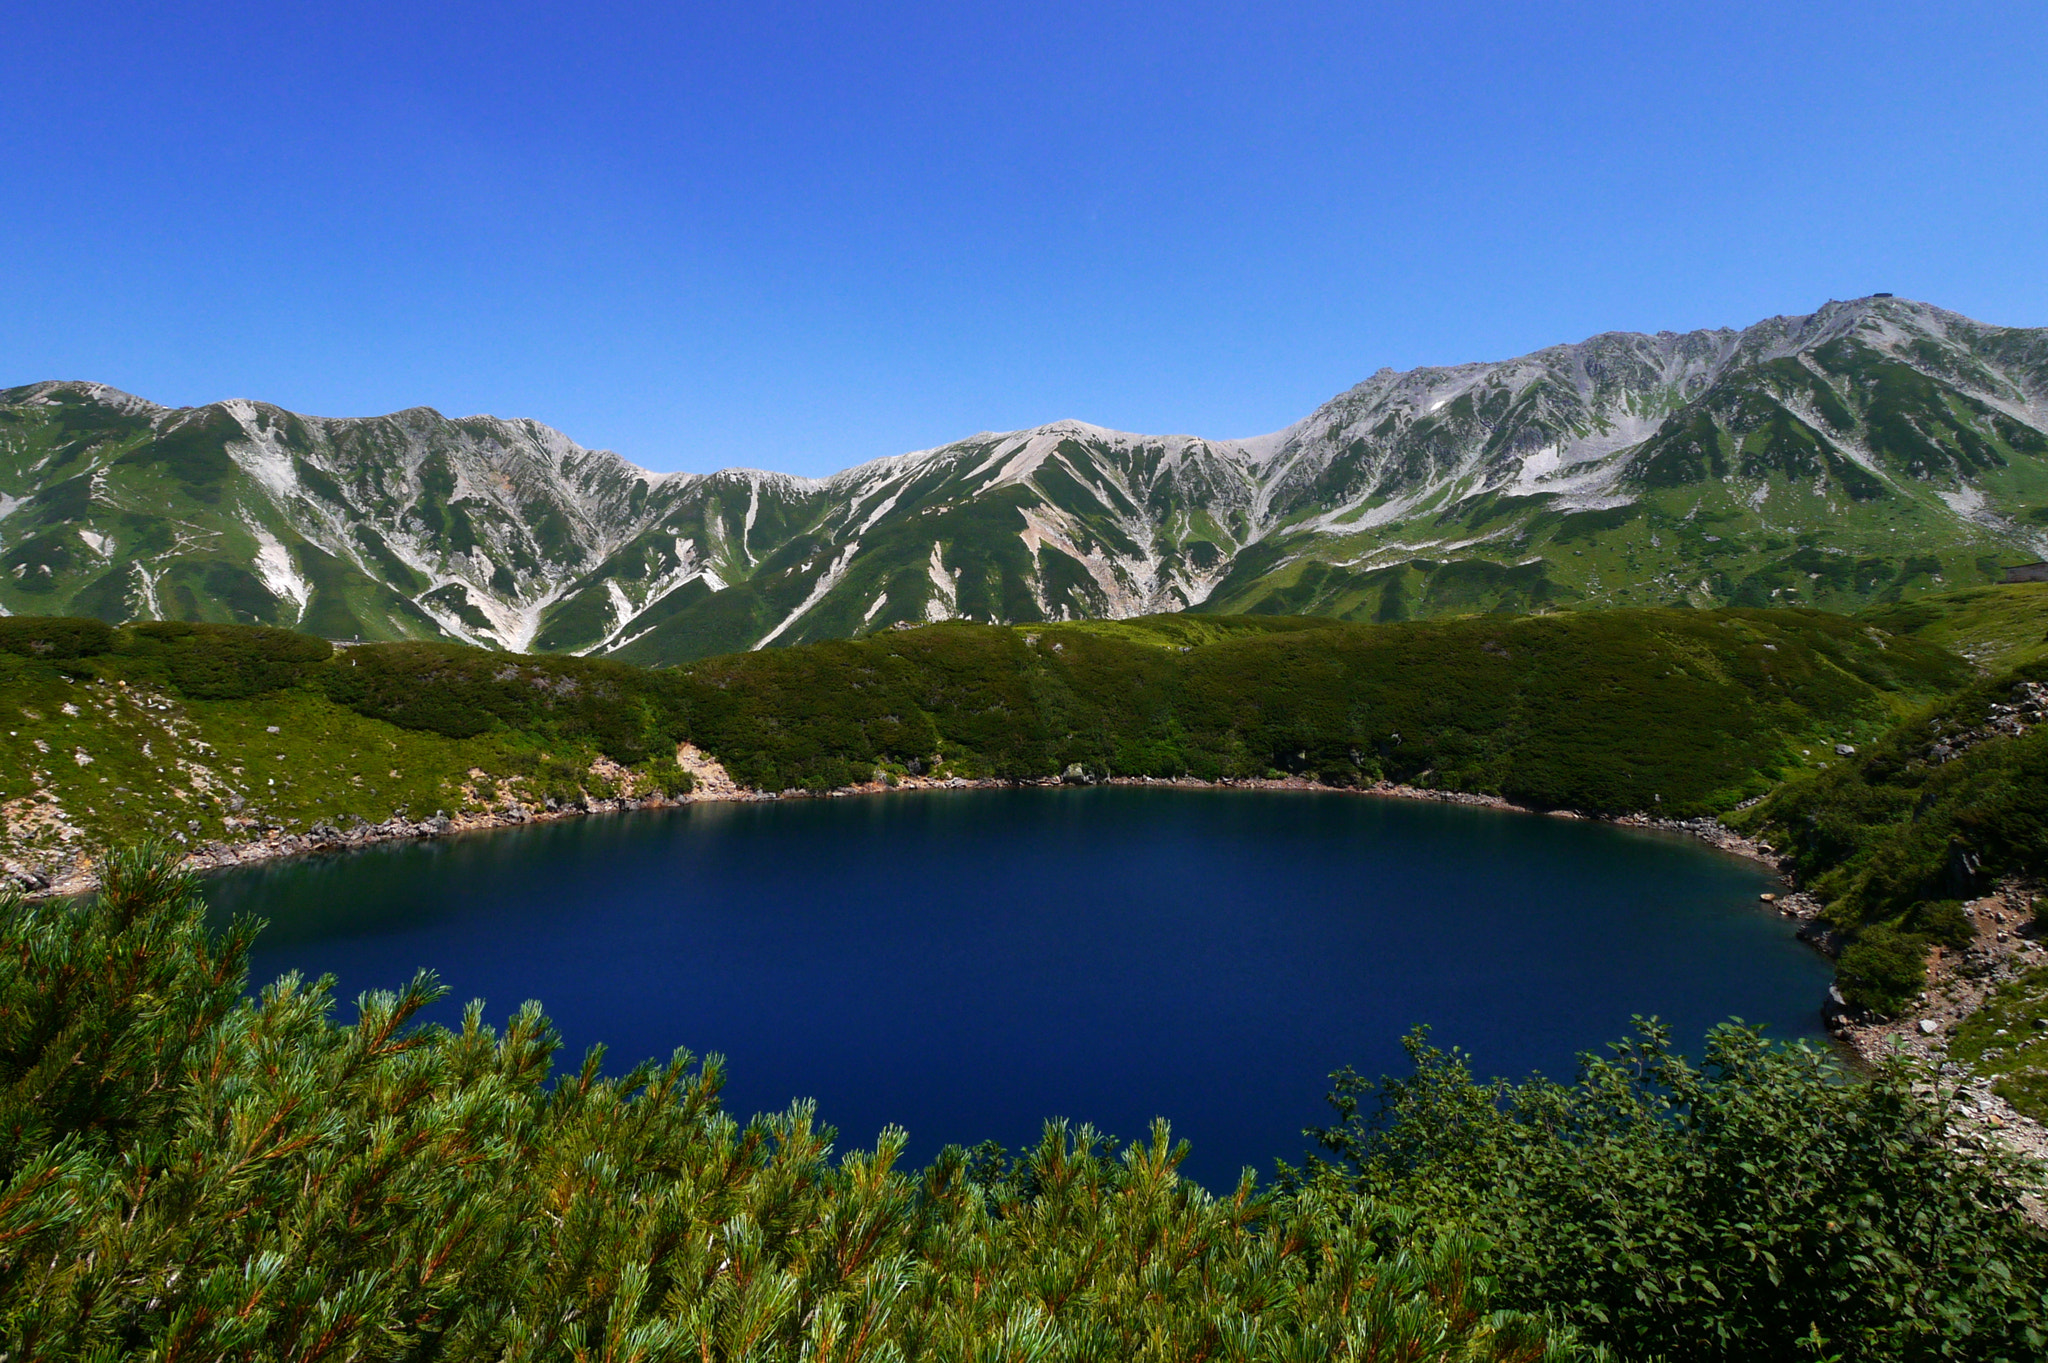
x=1875 y=446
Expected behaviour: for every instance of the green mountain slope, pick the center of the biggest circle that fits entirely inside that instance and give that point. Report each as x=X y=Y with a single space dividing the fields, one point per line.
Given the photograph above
x=214 y=734
x=1994 y=627
x=1873 y=451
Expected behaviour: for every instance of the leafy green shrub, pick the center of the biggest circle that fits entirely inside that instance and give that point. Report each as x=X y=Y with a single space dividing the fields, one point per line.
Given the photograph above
x=667 y=778
x=222 y=662
x=1942 y=921
x=55 y=637
x=1882 y=969
x=1718 y=1212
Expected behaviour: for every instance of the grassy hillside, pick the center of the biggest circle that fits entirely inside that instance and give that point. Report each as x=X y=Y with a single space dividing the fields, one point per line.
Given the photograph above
x=217 y=732
x=1937 y=809
x=1994 y=627
x=208 y=732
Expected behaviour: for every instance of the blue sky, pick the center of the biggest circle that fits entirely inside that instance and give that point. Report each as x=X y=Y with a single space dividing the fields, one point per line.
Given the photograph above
x=797 y=237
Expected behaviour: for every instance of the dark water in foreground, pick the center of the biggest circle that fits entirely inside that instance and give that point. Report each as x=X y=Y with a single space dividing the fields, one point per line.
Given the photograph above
x=967 y=964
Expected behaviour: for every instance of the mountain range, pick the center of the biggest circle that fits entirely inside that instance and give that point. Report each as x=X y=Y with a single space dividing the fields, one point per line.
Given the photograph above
x=1873 y=450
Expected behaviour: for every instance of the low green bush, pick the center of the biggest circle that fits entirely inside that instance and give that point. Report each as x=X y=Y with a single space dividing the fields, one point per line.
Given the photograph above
x=1733 y=1210
x=1882 y=969
x=54 y=637
x=221 y=662
x=1942 y=921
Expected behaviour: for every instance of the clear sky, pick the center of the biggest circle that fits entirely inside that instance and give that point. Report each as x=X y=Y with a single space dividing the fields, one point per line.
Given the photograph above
x=800 y=236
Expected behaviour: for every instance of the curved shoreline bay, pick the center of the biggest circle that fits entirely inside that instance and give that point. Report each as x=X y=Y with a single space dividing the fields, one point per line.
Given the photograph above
x=973 y=962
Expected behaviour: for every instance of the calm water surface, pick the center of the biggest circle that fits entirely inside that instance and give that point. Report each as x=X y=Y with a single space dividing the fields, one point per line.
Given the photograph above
x=969 y=963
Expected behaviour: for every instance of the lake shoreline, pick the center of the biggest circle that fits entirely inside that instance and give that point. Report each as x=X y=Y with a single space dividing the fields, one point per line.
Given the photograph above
x=1154 y=915
x=715 y=786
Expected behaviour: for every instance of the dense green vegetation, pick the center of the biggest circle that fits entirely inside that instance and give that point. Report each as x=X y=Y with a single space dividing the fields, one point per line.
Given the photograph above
x=1940 y=809
x=222 y=731
x=1730 y=1210
x=1950 y=804
x=1607 y=711
x=177 y=729
x=1995 y=627
x=187 y=1172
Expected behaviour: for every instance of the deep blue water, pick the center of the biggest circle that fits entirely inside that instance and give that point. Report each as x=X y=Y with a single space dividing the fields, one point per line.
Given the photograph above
x=969 y=963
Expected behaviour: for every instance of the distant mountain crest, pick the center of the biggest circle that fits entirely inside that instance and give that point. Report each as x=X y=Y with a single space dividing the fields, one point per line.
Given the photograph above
x=1872 y=449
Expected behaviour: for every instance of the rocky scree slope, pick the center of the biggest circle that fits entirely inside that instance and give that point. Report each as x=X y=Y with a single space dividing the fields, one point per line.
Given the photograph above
x=1871 y=451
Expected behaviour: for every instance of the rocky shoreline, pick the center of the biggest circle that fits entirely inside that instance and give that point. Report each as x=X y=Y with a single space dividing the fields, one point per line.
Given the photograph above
x=712 y=784
x=1959 y=981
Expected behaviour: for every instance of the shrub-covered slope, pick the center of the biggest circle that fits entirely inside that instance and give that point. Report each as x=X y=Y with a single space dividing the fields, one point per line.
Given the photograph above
x=217 y=731
x=1939 y=808
x=1604 y=711
x=1995 y=627
x=1947 y=805
x=205 y=733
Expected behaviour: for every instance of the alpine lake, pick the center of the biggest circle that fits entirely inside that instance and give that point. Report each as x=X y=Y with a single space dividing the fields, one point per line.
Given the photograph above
x=967 y=964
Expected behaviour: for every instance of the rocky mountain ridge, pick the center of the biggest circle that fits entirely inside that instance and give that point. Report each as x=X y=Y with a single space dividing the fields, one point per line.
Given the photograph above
x=1871 y=450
